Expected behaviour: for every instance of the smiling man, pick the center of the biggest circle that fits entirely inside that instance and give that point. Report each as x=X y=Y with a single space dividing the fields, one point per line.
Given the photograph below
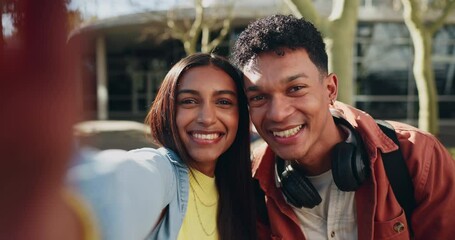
x=322 y=169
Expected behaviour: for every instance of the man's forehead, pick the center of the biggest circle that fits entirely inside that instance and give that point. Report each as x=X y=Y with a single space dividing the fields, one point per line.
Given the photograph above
x=255 y=64
x=251 y=65
x=258 y=66
x=251 y=72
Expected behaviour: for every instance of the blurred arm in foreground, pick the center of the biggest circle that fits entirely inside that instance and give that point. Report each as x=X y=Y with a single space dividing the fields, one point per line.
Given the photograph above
x=38 y=107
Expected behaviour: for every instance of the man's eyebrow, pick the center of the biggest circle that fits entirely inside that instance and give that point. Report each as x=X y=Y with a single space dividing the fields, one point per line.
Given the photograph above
x=253 y=88
x=295 y=76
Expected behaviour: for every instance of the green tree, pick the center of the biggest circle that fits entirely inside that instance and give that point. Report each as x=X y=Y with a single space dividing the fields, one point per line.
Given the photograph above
x=339 y=34
x=422 y=29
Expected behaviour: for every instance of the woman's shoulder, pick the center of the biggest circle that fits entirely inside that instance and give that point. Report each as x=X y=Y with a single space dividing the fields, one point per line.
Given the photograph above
x=111 y=163
x=155 y=156
x=126 y=190
x=149 y=155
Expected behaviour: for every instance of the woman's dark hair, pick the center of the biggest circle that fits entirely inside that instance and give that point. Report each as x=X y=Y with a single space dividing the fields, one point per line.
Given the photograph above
x=236 y=211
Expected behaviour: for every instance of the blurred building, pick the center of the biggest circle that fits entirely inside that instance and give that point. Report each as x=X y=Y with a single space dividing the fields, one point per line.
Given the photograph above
x=127 y=56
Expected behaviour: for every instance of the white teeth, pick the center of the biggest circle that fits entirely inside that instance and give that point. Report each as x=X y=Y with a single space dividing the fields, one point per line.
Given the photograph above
x=210 y=136
x=288 y=133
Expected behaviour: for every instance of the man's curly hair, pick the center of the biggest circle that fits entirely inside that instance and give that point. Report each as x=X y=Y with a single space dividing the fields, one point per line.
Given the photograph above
x=276 y=33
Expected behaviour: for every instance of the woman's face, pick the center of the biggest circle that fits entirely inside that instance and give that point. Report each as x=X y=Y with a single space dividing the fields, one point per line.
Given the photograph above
x=207 y=115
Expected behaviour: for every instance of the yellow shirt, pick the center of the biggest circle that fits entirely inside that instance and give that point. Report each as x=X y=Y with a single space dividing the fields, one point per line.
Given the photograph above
x=201 y=213
x=82 y=212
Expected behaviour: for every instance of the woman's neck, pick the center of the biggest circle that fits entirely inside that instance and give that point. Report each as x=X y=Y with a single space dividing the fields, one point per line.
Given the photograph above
x=206 y=169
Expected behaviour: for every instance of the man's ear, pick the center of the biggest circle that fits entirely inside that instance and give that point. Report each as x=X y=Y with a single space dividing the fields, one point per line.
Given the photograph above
x=331 y=83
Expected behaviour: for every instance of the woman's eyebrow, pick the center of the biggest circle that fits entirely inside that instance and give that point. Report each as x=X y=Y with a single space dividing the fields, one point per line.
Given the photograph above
x=219 y=92
x=190 y=91
x=230 y=92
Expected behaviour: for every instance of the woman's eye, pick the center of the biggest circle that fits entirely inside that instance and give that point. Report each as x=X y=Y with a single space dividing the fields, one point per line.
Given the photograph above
x=225 y=102
x=187 y=101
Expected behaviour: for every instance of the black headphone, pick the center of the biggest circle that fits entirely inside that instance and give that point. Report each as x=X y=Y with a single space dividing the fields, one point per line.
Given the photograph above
x=349 y=170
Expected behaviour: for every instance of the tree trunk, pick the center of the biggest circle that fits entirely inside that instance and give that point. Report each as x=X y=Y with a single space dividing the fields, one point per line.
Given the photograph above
x=339 y=35
x=425 y=81
x=422 y=32
x=340 y=48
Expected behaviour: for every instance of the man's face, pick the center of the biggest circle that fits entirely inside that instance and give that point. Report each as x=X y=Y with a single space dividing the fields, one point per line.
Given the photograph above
x=289 y=100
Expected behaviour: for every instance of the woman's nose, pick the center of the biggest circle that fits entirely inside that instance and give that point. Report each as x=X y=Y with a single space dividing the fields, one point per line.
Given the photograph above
x=207 y=114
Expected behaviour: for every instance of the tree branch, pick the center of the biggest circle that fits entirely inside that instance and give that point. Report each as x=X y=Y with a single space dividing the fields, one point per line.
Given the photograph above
x=441 y=19
x=175 y=30
x=195 y=29
x=304 y=8
x=344 y=9
x=293 y=7
x=223 y=33
x=412 y=13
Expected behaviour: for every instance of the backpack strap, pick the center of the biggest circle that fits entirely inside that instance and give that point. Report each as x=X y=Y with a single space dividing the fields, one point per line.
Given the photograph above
x=398 y=174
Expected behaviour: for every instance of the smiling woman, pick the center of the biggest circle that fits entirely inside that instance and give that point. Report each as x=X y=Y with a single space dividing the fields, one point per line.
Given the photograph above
x=207 y=115
x=186 y=188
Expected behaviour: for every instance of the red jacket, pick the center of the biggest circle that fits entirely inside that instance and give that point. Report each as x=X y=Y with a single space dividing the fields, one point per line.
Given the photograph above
x=378 y=213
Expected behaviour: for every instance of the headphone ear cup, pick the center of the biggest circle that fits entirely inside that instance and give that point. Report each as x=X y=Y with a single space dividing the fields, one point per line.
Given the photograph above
x=298 y=189
x=346 y=168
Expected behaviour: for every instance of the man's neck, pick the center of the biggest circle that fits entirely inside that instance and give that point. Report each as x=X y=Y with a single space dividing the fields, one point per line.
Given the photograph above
x=319 y=160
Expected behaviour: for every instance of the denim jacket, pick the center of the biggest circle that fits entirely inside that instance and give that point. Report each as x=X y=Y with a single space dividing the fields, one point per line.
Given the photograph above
x=127 y=191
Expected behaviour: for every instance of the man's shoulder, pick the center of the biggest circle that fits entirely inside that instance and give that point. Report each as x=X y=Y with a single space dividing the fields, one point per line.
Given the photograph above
x=410 y=135
x=257 y=155
x=365 y=122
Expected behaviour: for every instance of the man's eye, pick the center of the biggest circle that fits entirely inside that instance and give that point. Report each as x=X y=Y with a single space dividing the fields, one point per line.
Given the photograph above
x=295 y=89
x=257 y=98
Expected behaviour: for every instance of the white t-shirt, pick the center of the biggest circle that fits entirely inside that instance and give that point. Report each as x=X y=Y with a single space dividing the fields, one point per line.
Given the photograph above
x=335 y=217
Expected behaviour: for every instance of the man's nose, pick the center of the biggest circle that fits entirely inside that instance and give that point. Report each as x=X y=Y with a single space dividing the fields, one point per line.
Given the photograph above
x=278 y=110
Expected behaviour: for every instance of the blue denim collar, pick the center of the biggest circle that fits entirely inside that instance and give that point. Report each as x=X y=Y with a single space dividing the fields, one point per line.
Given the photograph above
x=172 y=156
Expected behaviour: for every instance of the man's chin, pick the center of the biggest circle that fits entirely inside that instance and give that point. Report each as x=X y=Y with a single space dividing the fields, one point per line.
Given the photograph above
x=286 y=154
